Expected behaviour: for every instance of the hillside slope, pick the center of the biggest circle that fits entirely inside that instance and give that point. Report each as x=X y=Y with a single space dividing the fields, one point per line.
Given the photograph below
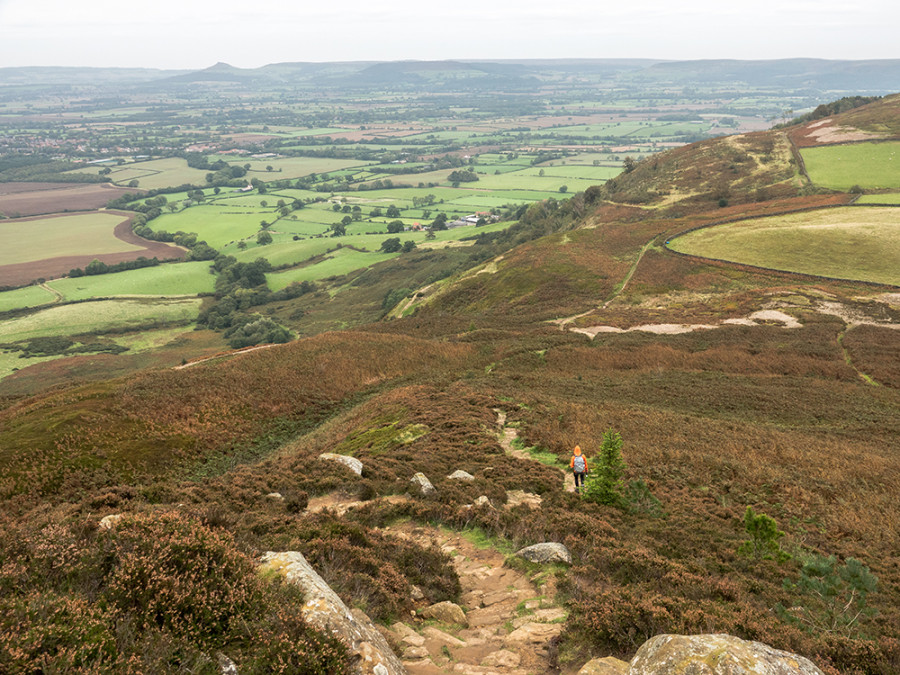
x=731 y=388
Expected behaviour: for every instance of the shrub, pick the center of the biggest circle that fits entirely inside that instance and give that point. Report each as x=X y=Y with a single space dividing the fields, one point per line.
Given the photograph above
x=832 y=598
x=604 y=484
x=170 y=572
x=764 y=536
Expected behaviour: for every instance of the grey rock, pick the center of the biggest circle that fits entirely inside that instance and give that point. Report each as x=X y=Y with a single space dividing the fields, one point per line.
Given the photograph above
x=459 y=474
x=548 y=552
x=715 y=655
x=350 y=462
x=421 y=481
x=324 y=610
x=277 y=496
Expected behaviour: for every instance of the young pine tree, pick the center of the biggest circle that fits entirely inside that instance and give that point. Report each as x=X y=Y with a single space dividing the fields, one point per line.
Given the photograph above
x=605 y=484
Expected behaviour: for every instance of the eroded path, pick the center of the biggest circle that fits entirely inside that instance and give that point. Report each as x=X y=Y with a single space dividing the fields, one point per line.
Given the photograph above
x=512 y=621
x=506 y=437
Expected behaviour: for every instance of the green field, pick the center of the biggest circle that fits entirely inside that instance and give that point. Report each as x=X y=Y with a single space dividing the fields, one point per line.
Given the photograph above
x=155 y=173
x=216 y=224
x=30 y=296
x=887 y=198
x=87 y=317
x=846 y=243
x=191 y=278
x=337 y=263
x=57 y=236
x=868 y=165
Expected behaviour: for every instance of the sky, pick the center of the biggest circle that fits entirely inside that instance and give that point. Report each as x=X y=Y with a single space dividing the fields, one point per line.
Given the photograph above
x=193 y=34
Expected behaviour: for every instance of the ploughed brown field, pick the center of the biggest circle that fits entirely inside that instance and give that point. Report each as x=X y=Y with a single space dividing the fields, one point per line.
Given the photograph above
x=32 y=199
x=24 y=273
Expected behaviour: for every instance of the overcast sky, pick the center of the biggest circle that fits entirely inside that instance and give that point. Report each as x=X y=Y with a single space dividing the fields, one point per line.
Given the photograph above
x=251 y=33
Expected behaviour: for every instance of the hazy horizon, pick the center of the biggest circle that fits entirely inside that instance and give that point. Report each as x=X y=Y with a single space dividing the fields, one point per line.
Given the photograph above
x=197 y=35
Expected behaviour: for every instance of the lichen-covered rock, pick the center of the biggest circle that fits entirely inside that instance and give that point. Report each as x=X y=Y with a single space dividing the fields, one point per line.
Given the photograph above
x=109 y=522
x=276 y=496
x=608 y=665
x=516 y=498
x=350 y=462
x=548 y=552
x=502 y=658
x=715 y=655
x=324 y=610
x=459 y=474
x=446 y=612
x=226 y=665
x=420 y=480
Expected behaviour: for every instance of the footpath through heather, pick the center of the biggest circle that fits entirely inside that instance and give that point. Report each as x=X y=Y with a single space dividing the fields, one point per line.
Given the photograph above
x=508 y=621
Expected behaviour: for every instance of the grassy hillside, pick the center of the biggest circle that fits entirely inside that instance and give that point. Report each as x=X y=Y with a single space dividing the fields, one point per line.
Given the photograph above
x=732 y=387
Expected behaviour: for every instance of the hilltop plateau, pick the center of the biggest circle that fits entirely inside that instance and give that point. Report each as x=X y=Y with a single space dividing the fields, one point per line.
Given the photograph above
x=740 y=386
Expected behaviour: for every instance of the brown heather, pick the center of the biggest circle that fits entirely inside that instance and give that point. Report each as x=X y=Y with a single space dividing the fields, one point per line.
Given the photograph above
x=713 y=421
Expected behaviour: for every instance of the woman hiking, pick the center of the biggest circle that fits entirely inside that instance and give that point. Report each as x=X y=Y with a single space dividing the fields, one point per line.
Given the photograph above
x=579 y=467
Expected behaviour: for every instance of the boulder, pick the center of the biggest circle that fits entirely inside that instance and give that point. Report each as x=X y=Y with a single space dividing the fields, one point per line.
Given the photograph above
x=605 y=666
x=548 y=552
x=446 y=612
x=535 y=634
x=459 y=474
x=517 y=497
x=441 y=638
x=715 y=655
x=350 y=462
x=502 y=658
x=109 y=522
x=324 y=610
x=483 y=501
x=421 y=481
x=276 y=496
x=226 y=665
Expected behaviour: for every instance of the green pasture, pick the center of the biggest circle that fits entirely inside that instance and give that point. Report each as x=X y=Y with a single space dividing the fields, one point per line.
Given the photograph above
x=521 y=181
x=574 y=171
x=190 y=278
x=89 y=317
x=337 y=263
x=292 y=167
x=11 y=361
x=30 y=296
x=886 y=198
x=846 y=243
x=147 y=340
x=868 y=165
x=215 y=224
x=158 y=173
x=86 y=234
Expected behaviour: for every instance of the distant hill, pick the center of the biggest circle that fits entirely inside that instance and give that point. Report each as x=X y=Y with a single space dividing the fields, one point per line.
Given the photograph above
x=872 y=76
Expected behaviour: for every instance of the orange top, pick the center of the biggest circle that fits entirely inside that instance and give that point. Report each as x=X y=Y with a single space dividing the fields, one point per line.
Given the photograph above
x=577 y=453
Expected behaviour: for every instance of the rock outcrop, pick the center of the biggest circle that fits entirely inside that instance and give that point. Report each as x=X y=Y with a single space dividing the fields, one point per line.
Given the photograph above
x=446 y=612
x=420 y=480
x=715 y=655
x=324 y=610
x=605 y=666
x=350 y=462
x=549 y=552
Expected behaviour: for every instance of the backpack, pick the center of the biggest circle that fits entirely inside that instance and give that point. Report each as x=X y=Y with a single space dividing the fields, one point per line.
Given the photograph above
x=579 y=465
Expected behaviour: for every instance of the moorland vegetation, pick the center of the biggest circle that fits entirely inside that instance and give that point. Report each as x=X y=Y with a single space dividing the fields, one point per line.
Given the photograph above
x=756 y=409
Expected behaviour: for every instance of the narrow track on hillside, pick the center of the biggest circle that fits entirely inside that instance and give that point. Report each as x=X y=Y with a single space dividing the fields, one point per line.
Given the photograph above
x=507 y=435
x=58 y=297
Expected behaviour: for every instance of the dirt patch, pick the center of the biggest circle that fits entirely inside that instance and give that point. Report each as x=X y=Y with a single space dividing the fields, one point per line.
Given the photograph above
x=31 y=199
x=21 y=274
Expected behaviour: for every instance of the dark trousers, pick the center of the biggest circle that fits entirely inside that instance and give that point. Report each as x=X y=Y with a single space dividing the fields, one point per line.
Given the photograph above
x=579 y=479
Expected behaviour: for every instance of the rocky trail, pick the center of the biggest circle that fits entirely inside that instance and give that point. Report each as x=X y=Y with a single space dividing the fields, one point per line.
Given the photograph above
x=508 y=620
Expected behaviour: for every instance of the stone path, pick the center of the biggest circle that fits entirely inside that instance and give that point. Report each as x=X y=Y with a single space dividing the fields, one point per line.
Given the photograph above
x=512 y=624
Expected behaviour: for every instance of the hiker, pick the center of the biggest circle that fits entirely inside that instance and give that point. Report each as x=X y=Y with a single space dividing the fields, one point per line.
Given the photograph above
x=579 y=467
